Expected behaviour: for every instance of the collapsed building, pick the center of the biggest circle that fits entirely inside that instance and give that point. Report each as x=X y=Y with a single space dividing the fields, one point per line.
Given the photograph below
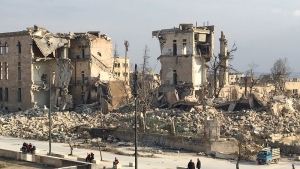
x=38 y=67
x=184 y=53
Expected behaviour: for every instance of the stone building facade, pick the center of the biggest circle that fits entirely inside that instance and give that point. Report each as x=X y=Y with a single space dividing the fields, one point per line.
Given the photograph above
x=121 y=68
x=91 y=57
x=184 y=53
x=15 y=70
x=36 y=64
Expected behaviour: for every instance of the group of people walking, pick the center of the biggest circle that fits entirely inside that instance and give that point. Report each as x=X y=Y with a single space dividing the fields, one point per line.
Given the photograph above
x=191 y=164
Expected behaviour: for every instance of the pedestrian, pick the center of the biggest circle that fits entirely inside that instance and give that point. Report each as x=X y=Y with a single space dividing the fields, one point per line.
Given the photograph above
x=191 y=165
x=198 y=164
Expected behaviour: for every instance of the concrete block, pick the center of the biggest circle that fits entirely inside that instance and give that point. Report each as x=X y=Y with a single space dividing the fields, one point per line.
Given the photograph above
x=93 y=161
x=80 y=159
x=96 y=161
x=26 y=157
x=118 y=166
x=181 y=168
x=58 y=155
x=226 y=156
x=131 y=164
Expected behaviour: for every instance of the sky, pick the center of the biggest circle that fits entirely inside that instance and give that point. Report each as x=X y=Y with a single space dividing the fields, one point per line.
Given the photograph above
x=263 y=31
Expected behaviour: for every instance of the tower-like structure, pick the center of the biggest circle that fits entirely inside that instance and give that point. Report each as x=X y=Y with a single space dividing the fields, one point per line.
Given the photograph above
x=184 y=53
x=223 y=61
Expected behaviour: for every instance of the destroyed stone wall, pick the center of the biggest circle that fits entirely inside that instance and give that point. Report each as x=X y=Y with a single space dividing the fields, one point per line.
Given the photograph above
x=12 y=58
x=101 y=48
x=183 y=67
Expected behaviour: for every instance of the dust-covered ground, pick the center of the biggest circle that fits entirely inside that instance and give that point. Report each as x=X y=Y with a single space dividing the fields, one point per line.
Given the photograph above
x=13 y=164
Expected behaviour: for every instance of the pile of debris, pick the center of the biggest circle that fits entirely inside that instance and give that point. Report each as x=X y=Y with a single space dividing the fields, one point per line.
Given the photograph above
x=281 y=119
x=34 y=123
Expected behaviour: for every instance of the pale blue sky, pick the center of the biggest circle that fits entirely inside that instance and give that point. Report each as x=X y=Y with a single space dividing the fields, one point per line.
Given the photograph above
x=264 y=30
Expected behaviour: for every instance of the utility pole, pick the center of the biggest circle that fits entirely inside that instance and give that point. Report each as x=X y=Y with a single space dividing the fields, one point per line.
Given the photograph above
x=135 y=94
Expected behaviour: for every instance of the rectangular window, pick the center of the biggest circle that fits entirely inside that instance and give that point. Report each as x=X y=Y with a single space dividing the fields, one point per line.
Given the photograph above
x=1 y=94
x=19 y=95
x=295 y=91
x=1 y=76
x=19 y=47
x=82 y=52
x=6 y=48
x=6 y=94
x=5 y=70
x=174 y=47
x=19 y=70
x=125 y=74
x=184 y=47
x=125 y=65
x=82 y=77
x=1 y=49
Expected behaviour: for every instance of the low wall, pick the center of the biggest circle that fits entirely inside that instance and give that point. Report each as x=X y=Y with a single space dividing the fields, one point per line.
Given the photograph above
x=226 y=146
x=196 y=144
x=49 y=160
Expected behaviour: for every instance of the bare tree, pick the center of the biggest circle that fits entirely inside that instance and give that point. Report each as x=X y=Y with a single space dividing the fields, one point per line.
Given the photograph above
x=72 y=145
x=216 y=64
x=99 y=146
x=145 y=82
x=253 y=80
x=280 y=72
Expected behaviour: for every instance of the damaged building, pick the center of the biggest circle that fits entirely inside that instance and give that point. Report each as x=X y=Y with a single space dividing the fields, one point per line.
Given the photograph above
x=185 y=52
x=66 y=68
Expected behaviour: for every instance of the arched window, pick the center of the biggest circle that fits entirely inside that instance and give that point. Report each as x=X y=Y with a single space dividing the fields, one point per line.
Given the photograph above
x=19 y=47
x=6 y=48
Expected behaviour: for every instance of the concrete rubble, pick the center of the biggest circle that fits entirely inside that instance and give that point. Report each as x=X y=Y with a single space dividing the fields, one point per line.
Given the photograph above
x=278 y=121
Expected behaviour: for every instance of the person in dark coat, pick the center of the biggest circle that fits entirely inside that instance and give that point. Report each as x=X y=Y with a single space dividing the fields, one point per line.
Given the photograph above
x=89 y=157
x=191 y=165
x=198 y=164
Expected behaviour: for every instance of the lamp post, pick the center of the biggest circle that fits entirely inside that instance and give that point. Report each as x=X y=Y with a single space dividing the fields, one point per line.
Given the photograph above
x=49 y=114
x=50 y=103
x=135 y=90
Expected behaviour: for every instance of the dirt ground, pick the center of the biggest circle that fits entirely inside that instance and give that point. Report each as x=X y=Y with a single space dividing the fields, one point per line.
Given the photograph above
x=13 y=164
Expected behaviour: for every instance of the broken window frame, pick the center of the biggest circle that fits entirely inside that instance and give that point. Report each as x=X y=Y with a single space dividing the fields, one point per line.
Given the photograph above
x=125 y=74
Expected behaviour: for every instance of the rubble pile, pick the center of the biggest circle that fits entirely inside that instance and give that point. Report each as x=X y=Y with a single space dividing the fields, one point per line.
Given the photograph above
x=280 y=118
x=34 y=123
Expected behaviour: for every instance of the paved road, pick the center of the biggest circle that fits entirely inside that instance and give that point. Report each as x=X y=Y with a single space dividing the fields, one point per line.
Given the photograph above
x=165 y=161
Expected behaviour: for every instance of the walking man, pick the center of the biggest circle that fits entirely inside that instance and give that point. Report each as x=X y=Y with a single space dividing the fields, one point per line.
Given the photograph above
x=191 y=165
x=198 y=164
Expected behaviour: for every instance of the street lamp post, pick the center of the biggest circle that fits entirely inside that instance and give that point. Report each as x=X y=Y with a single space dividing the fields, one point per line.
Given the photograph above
x=135 y=90
x=50 y=103
x=49 y=114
